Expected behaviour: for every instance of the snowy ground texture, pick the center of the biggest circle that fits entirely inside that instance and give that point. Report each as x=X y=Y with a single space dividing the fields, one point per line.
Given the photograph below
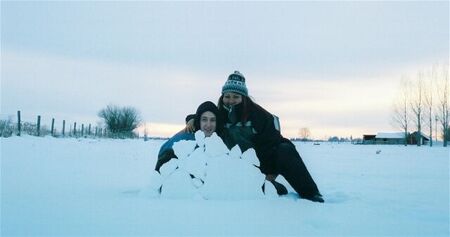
x=89 y=187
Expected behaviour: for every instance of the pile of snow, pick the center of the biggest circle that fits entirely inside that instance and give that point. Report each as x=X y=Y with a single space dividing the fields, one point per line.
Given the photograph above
x=207 y=169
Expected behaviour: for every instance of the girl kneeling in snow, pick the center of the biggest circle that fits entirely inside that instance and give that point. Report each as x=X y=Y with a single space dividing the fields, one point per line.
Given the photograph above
x=206 y=120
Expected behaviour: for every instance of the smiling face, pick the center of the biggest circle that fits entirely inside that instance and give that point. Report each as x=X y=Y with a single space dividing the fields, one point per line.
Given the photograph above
x=208 y=123
x=231 y=99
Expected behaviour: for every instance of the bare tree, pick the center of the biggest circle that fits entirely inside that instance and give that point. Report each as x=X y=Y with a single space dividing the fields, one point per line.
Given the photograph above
x=6 y=127
x=443 y=100
x=120 y=121
x=428 y=100
x=417 y=105
x=400 y=115
x=304 y=133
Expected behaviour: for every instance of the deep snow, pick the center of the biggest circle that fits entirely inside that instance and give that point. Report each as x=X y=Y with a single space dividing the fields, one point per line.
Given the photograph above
x=91 y=187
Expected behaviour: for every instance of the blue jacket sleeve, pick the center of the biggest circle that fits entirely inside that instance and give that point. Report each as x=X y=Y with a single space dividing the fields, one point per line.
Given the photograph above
x=177 y=137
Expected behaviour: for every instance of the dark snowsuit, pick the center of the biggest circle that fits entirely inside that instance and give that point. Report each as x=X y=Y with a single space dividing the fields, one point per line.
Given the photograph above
x=277 y=155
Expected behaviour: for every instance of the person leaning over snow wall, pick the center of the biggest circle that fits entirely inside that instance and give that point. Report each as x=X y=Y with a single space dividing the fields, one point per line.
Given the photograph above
x=251 y=126
x=205 y=120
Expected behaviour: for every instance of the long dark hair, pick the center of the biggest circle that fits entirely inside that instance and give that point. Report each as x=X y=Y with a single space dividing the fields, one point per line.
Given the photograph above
x=247 y=107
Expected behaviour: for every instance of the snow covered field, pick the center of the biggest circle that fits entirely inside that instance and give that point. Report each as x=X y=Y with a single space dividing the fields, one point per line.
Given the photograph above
x=93 y=187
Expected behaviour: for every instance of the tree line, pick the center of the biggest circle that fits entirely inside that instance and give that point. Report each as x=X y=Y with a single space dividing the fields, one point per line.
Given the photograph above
x=423 y=101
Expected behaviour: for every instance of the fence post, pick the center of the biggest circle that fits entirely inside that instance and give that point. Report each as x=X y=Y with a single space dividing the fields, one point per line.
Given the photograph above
x=75 y=129
x=38 y=125
x=64 y=127
x=82 y=129
x=53 y=126
x=18 y=122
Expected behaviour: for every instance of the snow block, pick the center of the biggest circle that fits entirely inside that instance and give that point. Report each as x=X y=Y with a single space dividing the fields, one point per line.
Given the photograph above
x=168 y=168
x=178 y=185
x=250 y=157
x=152 y=189
x=235 y=152
x=200 y=138
x=155 y=180
x=198 y=183
x=195 y=163
x=183 y=149
x=232 y=179
x=214 y=146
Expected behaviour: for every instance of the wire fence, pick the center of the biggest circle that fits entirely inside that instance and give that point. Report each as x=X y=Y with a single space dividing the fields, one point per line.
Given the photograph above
x=16 y=126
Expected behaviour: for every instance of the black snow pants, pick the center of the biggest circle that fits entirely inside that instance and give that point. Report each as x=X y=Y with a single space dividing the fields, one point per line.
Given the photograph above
x=290 y=165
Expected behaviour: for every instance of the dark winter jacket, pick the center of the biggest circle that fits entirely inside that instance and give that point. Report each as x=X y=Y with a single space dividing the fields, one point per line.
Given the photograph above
x=259 y=131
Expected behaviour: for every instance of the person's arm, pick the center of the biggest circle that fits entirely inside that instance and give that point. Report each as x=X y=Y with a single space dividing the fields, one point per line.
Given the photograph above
x=190 y=128
x=164 y=158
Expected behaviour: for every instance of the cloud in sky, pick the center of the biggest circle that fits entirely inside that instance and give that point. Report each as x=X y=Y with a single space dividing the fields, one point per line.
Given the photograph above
x=314 y=64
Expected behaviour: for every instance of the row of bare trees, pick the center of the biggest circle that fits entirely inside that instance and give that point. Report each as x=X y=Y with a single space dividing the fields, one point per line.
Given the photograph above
x=422 y=100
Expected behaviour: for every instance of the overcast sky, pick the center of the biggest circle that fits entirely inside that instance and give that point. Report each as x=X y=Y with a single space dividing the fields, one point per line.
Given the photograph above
x=333 y=67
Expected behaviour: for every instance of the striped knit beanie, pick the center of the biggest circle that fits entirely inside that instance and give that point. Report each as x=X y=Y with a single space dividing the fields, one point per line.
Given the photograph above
x=236 y=84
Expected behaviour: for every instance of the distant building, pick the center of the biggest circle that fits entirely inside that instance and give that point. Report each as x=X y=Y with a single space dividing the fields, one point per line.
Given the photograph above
x=390 y=138
x=395 y=138
x=368 y=139
x=415 y=137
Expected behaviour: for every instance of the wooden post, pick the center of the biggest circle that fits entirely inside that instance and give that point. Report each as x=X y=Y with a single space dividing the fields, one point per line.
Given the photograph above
x=18 y=123
x=82 y=129
x=64 y=127
x=89 y=130
x=38 y=125
x=53 y=126
x=75 y=128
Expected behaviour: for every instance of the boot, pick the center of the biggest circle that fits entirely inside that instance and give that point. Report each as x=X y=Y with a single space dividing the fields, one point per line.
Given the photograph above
x=315 y=198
